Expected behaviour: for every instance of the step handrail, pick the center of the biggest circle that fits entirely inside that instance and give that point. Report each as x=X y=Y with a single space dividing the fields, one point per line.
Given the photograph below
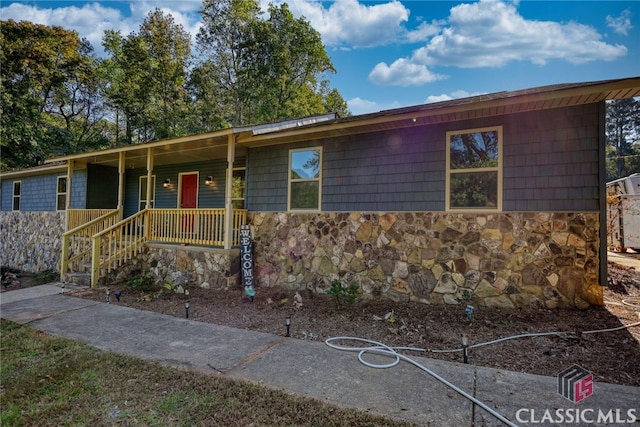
x=120 y=246
x=84 y=230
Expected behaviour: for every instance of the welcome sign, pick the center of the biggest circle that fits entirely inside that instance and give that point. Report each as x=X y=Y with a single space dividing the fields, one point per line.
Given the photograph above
x=246 y=260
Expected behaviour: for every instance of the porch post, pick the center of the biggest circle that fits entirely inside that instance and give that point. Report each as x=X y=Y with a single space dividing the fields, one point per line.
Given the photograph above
x=121 y=169
x=228 y=201
x=70 y=165
x=149 y=176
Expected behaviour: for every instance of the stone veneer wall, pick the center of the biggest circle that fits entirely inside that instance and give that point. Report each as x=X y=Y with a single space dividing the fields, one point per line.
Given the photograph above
x=188 y=265
x=506 y=259
x=31 y=241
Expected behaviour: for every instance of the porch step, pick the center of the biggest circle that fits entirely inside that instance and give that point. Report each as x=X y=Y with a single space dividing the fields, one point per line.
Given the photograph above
x=79 y=279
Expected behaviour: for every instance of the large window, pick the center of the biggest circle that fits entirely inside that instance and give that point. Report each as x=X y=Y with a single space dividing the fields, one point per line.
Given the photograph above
x=474 y=169
x=142 y=192
x=16 y=195
x=238 y=188
x=305 y=167
x=61 y=200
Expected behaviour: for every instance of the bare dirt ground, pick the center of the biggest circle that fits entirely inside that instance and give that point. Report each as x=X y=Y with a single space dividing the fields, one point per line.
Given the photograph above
x=613 y=356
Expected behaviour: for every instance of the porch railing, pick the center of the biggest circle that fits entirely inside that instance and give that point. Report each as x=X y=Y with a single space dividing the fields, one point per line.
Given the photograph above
x=76 y=243
x=195 y=226
x=78 y=217
x=114 y=246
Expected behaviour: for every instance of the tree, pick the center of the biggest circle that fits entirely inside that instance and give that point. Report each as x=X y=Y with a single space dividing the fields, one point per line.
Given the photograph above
x=221 y=42
x=258 y=70
x=48 y=101
x=148 y=74
x=623 y=134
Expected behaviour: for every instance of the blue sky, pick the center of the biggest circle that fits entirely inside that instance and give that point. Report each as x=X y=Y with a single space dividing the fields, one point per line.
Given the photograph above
x=391 y=54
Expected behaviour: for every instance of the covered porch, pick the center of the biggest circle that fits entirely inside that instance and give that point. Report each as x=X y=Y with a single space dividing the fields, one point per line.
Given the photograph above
x=98 y=241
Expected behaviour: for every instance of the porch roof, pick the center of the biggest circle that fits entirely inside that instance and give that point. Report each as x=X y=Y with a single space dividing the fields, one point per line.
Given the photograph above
x=214 y=145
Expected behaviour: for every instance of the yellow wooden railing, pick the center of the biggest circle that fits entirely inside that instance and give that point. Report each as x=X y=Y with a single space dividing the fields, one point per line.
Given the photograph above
x=78 y=217
x=116 y=245
x=76 y=243
x=194 y=226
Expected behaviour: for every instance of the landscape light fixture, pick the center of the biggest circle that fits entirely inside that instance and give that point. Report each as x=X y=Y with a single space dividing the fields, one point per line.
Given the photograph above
x=166 y=183
x=287 y=323
x=107 y=294
x=209 y=180
x=465 y=348
x=186 y=309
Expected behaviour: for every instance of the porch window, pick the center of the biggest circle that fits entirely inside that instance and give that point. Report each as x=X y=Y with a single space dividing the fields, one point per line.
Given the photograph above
x=305 y=167
x=61 y=200
x=238 y=188
x=142 y=193
x=16 y=195
x=474 y=169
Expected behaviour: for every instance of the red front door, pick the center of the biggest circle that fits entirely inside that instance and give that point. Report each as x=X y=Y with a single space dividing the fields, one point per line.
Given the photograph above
x=188 y=199
x=189 y=191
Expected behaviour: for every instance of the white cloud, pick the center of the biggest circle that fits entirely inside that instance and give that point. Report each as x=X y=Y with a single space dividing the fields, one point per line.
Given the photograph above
x=457 y=94
x=491 y=33
x=349 y=23
x=402 y=72
x=621 y=24
x=92 y=19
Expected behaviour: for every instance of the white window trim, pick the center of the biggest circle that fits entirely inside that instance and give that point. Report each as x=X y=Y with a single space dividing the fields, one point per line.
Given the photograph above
x=13 y=196
x=290 y=180
x=498 y=169
x=58 y=193
x=142 y=191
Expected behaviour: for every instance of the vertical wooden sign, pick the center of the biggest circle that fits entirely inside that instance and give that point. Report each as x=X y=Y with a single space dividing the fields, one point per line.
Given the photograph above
x=246 y=261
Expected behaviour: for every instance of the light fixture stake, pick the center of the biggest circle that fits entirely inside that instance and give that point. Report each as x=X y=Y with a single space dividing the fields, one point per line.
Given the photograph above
x=287 y=323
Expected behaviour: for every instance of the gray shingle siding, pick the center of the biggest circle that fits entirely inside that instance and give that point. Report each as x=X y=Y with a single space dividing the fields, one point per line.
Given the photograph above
x=40 y=193
x=208 y=196
x=550 y=162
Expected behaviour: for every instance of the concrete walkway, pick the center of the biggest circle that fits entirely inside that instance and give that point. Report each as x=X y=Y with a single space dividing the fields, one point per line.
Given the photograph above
x=316 y=370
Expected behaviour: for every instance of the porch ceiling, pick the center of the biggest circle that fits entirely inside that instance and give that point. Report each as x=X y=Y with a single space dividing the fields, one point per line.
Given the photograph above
x=178 y=150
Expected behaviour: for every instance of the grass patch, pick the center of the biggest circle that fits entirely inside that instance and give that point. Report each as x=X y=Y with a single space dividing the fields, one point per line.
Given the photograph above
x=47 y=380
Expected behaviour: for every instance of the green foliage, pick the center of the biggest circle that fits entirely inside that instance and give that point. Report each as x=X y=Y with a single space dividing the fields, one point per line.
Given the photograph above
x=46 y=276
x=342 y=294
x=142 y=282
x=623 y=137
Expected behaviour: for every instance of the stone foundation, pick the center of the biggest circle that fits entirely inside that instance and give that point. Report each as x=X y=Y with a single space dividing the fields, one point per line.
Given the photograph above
x=31 y=241
x=192 y=265
x=546 y=260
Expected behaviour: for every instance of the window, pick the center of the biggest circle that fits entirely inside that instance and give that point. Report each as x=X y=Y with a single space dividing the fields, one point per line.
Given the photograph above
x=474 y=169
x=16 y=195
x=61 y=201
x=142 y=194
x=238 y=188
x=305 y=166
